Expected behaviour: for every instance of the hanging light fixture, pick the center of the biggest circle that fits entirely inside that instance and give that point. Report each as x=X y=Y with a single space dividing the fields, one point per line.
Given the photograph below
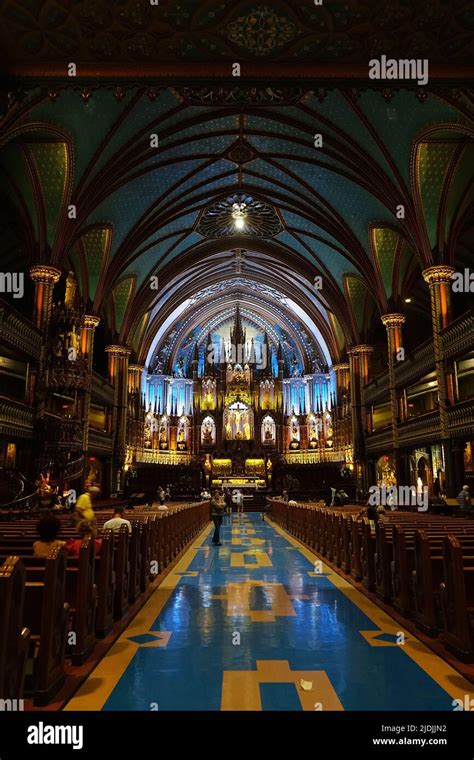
x=239 y=211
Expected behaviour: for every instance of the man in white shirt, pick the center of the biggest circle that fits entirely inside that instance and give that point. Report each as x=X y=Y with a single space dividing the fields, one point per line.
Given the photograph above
x=238 y=500
x=117 y=521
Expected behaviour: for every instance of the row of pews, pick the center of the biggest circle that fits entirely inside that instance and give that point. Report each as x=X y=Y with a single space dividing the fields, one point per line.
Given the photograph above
x=421 y=564
x=57 y=608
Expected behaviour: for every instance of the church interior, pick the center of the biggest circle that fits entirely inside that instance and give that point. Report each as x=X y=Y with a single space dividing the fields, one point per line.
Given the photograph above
x=236 y=295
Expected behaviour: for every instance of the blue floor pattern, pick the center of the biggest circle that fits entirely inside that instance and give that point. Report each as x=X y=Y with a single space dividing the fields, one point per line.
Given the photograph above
x=323 y=635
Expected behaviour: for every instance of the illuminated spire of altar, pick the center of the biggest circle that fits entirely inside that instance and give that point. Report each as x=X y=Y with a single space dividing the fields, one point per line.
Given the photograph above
x=237 y=333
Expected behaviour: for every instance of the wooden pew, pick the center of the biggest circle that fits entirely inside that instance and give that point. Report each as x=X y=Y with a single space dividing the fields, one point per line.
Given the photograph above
x=323 y=534
x=457 y=598
x=106 y=582
x=122 y=572
x=106 y=579
x=404 y=561
x=81 y=595
x=355 y=549
x=145 y=554
x=346 y=543
x=427 y=577
x=383 y=560
x=134 y=554
x=46 y=615
x=14 y=637
x=367 y=553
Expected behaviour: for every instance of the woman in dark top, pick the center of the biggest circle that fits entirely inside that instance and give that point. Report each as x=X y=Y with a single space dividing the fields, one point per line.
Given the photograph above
x=217 y=510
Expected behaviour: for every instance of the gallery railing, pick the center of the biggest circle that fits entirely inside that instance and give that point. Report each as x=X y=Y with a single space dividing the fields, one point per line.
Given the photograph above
x=316 y=457
x=154 y=456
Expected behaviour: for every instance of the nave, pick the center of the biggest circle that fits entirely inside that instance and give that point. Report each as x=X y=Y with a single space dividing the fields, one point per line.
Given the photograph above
x=257 y=624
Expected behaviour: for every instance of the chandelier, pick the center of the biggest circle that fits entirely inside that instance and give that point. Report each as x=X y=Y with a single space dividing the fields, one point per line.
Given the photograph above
x=239 y=212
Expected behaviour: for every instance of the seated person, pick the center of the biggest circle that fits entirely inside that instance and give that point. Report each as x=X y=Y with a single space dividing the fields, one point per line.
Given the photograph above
x=73 y=545
x=342 y=497
x=116 y=522
x=48 y=529
x=162 y=508
x=372 y=512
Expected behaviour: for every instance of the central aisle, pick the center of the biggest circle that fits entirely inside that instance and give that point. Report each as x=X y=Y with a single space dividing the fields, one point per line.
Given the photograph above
x=238 y=627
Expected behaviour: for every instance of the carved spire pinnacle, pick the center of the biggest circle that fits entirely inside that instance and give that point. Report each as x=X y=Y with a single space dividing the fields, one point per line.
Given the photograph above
x=237 y=334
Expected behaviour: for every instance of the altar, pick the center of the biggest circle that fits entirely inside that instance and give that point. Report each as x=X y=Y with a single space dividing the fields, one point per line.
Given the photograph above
x=242 y=482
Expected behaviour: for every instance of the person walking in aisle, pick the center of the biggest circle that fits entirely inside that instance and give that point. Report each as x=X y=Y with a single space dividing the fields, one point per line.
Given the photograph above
x=228 y=502
x=217 y=511
x=238 y=500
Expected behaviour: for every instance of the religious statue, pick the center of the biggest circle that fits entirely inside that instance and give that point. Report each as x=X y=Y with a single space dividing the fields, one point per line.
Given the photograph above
x=147 y=436
x=73 y=340
x=247 y=431
x=60 y=346
x=295 y=370
x=207 y=433
x=181 y=443
x=313 y=436
x=294 y=441
x=70 y=293
x=162 y=438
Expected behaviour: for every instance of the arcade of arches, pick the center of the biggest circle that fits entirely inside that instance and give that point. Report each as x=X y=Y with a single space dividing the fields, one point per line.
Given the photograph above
x=255 y=284
x=323 y=337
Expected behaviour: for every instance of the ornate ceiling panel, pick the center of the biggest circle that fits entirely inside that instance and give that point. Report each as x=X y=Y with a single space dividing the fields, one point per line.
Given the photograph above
x=284 y=31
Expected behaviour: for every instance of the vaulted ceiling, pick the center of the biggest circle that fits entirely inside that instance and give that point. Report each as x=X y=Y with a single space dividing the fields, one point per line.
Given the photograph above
x=126 y=181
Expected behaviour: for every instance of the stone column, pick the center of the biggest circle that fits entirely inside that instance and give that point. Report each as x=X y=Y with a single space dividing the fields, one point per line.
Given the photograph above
x=135 y=378
x=280 y=404
x=359 y=375
x=89 y=325
x=135 y=435
x=118 y=377
x=342 y=404
x=439 y=280
x=394 y=324
x=45 y=278
x=342 y=378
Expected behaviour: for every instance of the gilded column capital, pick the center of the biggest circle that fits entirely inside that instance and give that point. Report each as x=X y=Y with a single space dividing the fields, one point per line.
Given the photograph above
x=118 y=350
x=136 y=367
x=361 y=348
x=393 y=320
x=90 y=321
x=440 y=273
x=45 y=274
x=339 y=367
